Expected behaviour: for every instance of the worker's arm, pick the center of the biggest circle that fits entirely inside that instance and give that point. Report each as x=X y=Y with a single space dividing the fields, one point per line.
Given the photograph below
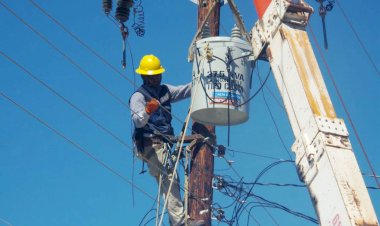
x=179 y=92
x=137 y=104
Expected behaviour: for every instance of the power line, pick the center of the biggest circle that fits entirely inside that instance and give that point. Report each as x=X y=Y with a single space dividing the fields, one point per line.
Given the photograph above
x=99 y=125
x=68 y=58
x=68 y=102
x=5 y=222
x=254 y=154
x=102 y=59
x=274 y=121
x=370 y=175
x=372 y=62
x=89 y=48
x=81 y=69
x=77 y=146
x=344 y=106
x=279 y=103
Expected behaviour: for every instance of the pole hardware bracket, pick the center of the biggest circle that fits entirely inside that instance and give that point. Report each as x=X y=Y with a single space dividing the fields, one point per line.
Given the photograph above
x=296 y=13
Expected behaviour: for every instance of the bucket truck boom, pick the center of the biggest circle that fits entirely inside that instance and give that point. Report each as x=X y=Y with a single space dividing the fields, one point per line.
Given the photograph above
x=324 y=157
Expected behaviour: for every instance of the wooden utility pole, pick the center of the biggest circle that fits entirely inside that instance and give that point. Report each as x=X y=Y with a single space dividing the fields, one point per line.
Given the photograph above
x=202 y=162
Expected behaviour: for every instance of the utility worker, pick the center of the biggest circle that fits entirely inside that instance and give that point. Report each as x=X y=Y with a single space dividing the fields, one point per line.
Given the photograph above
x=151 y=114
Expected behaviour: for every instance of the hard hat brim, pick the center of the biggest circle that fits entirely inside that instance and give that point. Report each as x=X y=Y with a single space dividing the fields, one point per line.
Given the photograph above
x=150 y=72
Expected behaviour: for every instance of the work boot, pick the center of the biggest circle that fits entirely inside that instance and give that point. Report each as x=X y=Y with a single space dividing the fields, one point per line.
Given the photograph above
x=196 y=223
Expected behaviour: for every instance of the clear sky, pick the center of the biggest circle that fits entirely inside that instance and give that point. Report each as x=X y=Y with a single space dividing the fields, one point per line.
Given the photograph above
x=46 y=180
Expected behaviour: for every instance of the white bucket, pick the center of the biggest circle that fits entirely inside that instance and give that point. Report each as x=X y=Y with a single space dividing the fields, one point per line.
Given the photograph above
x=220 y=94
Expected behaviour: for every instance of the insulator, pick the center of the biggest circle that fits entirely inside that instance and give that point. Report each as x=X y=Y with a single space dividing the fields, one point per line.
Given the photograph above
x=235 y=32
x=123 y=10
x=206 y=31
x=107 y=6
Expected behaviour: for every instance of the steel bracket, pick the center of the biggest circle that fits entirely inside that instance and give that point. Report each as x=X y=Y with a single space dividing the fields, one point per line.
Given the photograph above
x=313 y=141
x=278 y=12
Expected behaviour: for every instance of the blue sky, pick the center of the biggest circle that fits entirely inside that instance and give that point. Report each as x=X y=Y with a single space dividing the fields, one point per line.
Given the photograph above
x=45 y=180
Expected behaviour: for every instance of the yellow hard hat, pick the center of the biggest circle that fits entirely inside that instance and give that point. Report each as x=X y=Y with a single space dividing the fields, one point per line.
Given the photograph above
x=150 y=65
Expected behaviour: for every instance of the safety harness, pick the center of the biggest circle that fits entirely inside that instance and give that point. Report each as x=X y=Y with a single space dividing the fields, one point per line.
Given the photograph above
x=159 y=123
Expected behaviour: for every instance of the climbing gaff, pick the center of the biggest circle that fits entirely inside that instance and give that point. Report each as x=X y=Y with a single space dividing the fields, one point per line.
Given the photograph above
x=221 y=80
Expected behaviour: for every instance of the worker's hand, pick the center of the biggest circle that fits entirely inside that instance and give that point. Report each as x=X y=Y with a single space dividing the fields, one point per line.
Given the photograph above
x=151 y=106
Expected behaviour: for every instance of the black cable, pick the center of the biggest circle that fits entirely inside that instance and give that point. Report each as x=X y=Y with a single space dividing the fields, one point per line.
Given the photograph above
x=262 y=202
x=257 y=179
x=257 y=91
x=274 y=121
x=279 y=206
x=142 y=220
x=281 y=185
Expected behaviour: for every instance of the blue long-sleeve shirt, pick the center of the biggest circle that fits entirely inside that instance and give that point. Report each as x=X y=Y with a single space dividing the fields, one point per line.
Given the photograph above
x=137 y=102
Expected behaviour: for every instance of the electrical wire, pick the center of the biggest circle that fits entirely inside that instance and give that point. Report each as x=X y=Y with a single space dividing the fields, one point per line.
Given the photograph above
x=372 y=62
x=142 y=220
x=70 y=60
x=279 y=206
x=257 y=91
x=75 y=37
x=253 y=154
x=99 y=125
x=345 y=107
x=370 y=175
x=66 y=57
x=240 y=207
x=77 y=146
x=281 y=185
x=279 y=103
x=73 y=62
x=373 y=188
x=93 y=51
x=225 y=182
x=5 y=222
x=150 y=210
x=230 y=165
x=273 y=120
x=68 y=102
x=131 y=122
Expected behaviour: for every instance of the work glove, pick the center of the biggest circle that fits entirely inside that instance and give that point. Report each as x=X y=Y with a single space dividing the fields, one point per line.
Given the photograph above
x=151 y=106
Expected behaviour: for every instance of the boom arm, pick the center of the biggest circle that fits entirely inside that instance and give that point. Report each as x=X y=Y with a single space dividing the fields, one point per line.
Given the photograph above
x=324 y=156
